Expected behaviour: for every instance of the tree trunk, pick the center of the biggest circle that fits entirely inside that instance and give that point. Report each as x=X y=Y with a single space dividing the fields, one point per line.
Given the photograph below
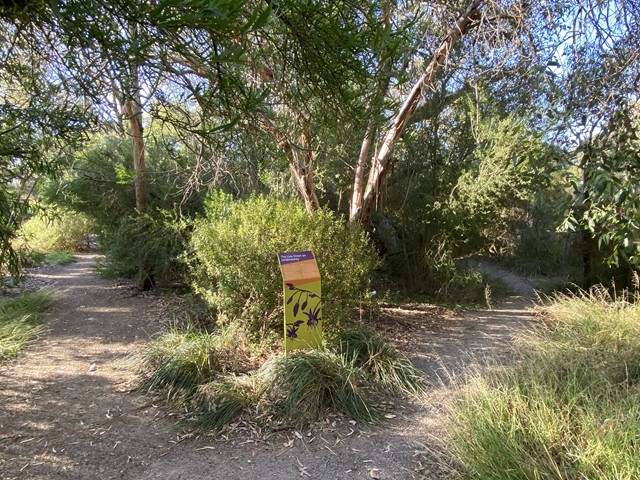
x=382 y=85
x=301 y=165
x=358 y=183
x=133 y=109
x=383 y=160
x=300 y=158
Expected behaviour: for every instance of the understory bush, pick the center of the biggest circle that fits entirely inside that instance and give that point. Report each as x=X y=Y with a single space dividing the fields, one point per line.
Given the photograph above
x=148 y=248
x=220 y=376
x=57 y=230
x=236 y=247
x=432 y=273
x=569 y=407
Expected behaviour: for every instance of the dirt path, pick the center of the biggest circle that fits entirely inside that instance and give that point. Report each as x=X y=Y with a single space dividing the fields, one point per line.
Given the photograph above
x=64 y=407
x=66 y=410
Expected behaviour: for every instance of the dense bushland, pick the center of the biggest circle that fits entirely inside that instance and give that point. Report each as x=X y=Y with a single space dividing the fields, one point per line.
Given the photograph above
x=235 y=253
x=56 y=230
x=146 y=247
x=219 y=372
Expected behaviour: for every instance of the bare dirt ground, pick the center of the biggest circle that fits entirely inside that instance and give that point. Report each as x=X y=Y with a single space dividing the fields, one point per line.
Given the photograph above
x=67 y=410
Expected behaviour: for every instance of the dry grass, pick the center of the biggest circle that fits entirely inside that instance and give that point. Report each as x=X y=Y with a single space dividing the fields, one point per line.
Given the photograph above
x=569 y=408
x=20 y=321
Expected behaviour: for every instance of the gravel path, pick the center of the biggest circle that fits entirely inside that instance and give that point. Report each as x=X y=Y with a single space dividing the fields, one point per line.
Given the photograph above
x=67 y=410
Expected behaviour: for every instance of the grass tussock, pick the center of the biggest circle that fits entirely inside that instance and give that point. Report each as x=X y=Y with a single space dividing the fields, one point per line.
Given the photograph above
x=179 y=361
x=568 y=408
x=32 y=258
x=217 y=376
x=21 y=321
x=303 y=387
x=386 y=368
x=220 y=402
x=60 y=258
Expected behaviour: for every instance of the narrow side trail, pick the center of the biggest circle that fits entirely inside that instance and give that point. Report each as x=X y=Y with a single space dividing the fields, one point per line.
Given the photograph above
x=67 y=410
x=449 y=344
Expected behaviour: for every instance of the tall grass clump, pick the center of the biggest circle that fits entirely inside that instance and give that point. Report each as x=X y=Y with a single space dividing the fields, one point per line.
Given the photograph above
x=178 y=362
x=236 y=265
x=384 y=366
x=224 y=400
x=568 y=408
x=304 y=386
x=218 y=377
x=21 y=321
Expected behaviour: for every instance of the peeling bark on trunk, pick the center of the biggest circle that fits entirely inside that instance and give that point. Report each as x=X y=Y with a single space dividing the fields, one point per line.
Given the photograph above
x=134 y=114
x=383 y=161
x=300 y=158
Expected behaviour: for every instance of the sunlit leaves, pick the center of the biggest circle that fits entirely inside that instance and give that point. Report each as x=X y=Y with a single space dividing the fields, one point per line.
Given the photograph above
x=609 y=191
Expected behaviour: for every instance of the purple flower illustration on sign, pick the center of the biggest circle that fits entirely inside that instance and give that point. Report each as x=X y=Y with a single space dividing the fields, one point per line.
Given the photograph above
x=292 y=331
x=303 y=299
x=312 y=316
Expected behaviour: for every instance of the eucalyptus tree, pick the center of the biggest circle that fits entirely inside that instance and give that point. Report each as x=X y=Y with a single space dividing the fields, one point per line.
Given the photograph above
x=363 y=69
x=512 y=43
x=311 y=61
x=40 y=125
x=122 y=55
x=596 y=121
x=147 y=49
x=119 y=57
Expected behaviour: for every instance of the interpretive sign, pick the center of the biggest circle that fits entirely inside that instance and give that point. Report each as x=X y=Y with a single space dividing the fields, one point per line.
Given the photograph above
x=302 y=300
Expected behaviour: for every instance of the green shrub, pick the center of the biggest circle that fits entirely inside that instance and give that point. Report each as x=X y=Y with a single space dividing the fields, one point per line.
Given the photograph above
x=30 y=258
x=568 y=408
x=57 y=230
x=237 y=271
x=148 y=248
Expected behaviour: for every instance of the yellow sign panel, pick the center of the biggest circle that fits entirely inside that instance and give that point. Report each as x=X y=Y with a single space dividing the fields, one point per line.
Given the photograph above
x=302 y=300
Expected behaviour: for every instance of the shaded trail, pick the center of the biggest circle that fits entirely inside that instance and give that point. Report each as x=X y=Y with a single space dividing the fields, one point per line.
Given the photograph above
x=66 y=410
